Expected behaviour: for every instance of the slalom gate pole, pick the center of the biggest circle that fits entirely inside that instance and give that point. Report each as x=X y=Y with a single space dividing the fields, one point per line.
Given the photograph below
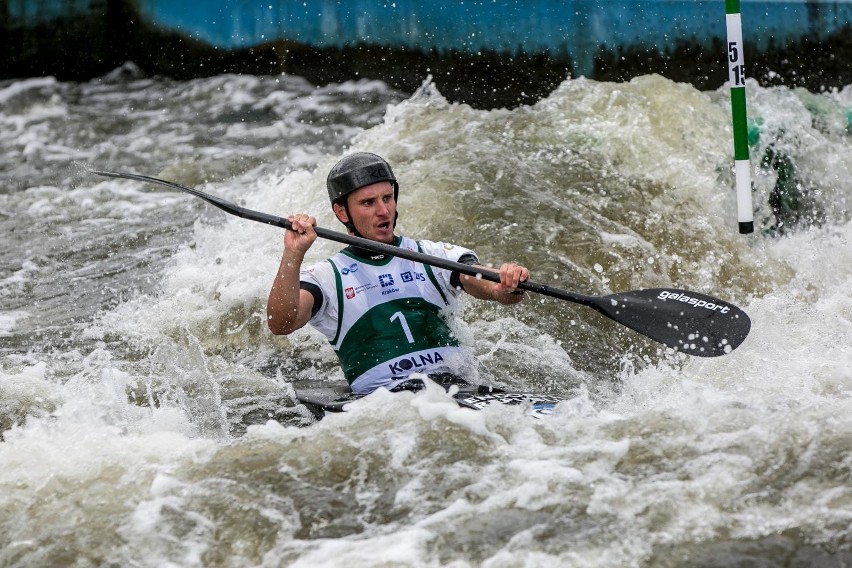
x=737 y=80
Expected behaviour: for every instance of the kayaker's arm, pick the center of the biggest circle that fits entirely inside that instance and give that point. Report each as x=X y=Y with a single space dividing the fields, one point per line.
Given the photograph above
x=504 y=292
x=288 y=307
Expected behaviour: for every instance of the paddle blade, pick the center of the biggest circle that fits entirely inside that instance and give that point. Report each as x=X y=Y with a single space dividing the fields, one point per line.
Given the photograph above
x=686 y=321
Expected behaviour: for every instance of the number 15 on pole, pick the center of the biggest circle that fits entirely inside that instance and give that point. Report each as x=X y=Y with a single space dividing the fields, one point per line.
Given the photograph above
x=736 y=78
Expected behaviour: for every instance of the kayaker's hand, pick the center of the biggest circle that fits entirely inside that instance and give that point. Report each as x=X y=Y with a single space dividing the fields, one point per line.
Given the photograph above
x=302 y=235
x=507 y=292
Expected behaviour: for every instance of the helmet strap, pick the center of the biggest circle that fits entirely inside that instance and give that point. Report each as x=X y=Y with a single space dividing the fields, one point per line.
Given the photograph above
x=350 y=226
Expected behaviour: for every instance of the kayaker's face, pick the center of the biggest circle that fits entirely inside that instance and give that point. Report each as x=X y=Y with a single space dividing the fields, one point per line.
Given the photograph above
x=373 y=209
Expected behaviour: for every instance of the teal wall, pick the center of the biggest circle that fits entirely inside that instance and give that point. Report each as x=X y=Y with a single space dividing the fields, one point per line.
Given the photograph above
x=487 y=53
x=578 y=27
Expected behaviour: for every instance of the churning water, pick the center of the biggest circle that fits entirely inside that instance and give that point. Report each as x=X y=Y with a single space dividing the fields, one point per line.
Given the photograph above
x=148 y=417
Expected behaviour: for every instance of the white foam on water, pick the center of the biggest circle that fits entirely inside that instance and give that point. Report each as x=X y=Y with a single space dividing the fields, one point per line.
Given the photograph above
x=9 y=320
x=608 y=187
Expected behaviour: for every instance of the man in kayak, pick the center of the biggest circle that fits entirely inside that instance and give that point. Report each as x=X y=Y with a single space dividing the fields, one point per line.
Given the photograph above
x=383 y=315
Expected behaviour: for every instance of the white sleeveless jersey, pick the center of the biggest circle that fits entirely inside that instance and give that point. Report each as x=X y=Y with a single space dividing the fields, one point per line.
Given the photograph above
x=383 y=316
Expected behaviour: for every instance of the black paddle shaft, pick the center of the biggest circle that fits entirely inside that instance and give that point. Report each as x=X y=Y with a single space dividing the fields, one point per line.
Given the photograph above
x=686 y=321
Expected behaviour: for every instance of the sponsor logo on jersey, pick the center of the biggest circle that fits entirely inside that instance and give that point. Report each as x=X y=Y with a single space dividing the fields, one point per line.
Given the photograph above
x=365 y=287
x=409 y=276
x=677 y=296
x=413 y=363
x=347 y=269
x=386 y=280
x=350 y=293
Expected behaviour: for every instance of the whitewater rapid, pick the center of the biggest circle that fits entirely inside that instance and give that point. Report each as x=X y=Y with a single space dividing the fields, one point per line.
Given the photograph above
x=148 y=416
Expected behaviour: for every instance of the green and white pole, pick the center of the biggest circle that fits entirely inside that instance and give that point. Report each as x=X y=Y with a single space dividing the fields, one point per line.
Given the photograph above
x=736 y=78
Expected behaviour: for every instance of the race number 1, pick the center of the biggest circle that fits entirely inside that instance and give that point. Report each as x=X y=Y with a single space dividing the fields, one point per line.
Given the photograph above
x=405 y=329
